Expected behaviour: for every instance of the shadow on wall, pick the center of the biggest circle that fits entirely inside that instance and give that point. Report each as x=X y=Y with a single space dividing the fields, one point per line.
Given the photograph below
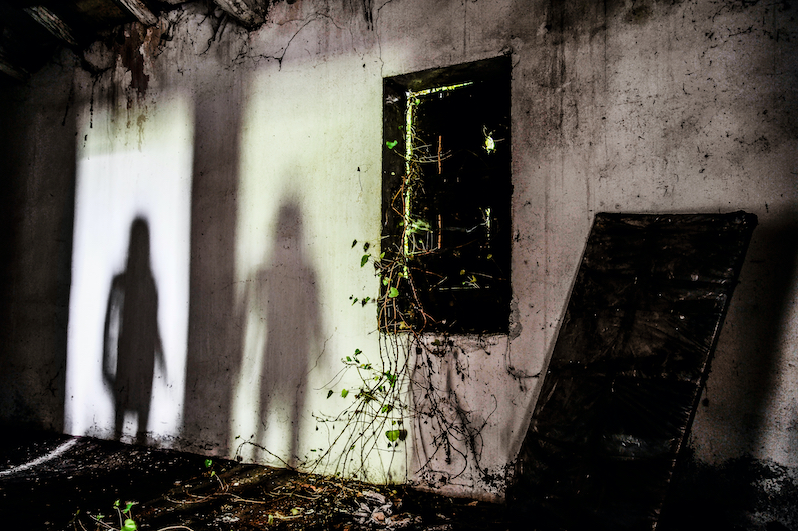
x=37 y=201
x=131 y=340
x=744 y=492
x=285 y=295
x=213 y=356
x=773 y=276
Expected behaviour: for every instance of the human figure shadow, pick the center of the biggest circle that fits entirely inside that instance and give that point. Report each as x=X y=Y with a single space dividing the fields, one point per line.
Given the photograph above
x=131 y=340
x=287 y=300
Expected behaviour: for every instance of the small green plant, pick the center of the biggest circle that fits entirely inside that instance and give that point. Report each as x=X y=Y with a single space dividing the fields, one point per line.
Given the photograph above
x=209 y=464
x=126 y=521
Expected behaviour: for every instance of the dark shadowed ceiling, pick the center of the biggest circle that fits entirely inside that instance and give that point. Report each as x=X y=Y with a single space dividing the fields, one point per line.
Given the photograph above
x=31 y=30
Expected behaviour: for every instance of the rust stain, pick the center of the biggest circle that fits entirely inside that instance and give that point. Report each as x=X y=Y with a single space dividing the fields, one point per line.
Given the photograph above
x=140 y=121
x=132 y=58
x=136 y=48
x=152 y=40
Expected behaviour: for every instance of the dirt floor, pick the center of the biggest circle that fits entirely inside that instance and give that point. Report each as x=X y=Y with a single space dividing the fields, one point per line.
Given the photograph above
x=56 y=482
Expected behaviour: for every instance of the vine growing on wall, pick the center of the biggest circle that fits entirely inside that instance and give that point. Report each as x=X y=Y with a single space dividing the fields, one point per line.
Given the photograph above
x=377 y=411
x=399 y=384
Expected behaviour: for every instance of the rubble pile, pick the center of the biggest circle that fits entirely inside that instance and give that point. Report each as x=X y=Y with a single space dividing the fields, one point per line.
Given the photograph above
x=374 y=511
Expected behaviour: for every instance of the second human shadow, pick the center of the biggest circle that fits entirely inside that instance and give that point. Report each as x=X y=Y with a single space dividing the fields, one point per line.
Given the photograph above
x=287 y=299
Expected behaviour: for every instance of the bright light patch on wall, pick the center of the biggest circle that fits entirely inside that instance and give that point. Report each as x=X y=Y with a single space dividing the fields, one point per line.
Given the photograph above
x=128 y=312
x=309 y=185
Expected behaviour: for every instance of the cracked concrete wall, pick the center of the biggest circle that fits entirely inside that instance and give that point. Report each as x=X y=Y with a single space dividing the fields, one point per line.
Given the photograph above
x=620 y=106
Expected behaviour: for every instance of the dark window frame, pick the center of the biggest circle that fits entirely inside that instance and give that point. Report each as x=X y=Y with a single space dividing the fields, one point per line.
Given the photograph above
x=460 y=192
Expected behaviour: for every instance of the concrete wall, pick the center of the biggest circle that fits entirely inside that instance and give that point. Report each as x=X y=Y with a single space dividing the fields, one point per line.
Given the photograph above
x=254 y=159
x=38 y=153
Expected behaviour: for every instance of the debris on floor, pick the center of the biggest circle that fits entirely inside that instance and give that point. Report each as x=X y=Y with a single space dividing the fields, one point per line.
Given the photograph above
x=57 y=482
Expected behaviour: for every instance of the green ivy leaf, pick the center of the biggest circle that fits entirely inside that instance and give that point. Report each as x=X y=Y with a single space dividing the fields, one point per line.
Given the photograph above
x=490 y=144
x=391 y=144
x=130 y=525
x=393 y=292
x=364 y=259
x=396 y=435
x=344 y=392
x=391 y=378
x=208 y=463
x=128 y=507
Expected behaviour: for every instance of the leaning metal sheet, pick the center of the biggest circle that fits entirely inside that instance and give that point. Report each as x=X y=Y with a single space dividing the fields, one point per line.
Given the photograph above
x=626 y=372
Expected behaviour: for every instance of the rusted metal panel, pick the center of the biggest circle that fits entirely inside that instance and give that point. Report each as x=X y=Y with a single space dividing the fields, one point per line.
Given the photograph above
x=626 y=373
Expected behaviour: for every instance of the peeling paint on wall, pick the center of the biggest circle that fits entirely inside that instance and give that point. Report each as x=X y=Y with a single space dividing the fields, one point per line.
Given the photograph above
x=130 y=53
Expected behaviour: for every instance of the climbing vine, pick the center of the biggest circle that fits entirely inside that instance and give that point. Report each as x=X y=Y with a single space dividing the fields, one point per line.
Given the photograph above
x=398 y=384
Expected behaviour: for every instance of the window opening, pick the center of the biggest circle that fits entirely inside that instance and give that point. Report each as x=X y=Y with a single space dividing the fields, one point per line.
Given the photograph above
x=412 y=157
x=446 y=198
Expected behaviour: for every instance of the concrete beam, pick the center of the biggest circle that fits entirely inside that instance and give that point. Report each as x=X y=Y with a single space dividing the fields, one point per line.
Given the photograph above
x=140 y=11
x=10 y=69
x=52 y=23
x=249 y=12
